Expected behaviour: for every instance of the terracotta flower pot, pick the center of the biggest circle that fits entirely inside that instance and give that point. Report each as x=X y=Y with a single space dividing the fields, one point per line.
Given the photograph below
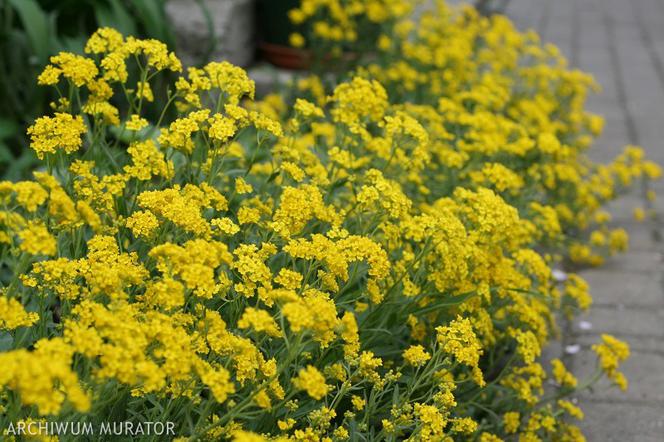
x=285 y=56
x=273 y=28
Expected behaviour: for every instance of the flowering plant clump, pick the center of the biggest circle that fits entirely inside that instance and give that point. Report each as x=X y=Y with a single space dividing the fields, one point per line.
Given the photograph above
x=369 y=263
x=334 y=26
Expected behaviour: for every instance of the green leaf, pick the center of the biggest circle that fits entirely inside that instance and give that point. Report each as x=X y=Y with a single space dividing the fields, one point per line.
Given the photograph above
x=37 y=27
x=449 y=302
x=21 y=166
x=153 y=16
x=115 y=15
x=73 y=44
x=5 y=154
x=6 y=341
x=8 y=128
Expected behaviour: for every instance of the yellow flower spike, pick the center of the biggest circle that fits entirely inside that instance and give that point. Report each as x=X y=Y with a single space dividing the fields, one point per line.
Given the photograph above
x=296 y=40
x=13 y=315
x=136 y=123
x=32 y=373
x=308 y=109
x=242 y=187
x=37 y=240
x=561 y=375
x=639 y=214
x=312 y=381
x=358 y=403
x=104 y=40
x=611 y=352
x=571 y=409
x=460 y=340
x=259 y=321
x=62 y=132
x=79 y=70
x=416 y=356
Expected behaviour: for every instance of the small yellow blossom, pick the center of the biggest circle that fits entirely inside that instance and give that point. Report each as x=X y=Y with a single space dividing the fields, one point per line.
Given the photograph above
x=36 y=240
x=561 y=375
x=136 y=122
x=416 y=356
x=358 y=403
x=13 y=315
x=312 y=381
x=296 y=40
x=259 y=321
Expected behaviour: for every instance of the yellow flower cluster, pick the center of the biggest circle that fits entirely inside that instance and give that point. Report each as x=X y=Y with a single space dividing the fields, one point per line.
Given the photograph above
x=62 y=132
x=43 y=377
x=341 y=21
x=372 y=261
x=416 y=355
x=13 y=315
x=611 y=352
x=313 y=381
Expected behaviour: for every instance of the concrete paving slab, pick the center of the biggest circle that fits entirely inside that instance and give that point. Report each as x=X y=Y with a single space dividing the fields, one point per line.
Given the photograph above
x=624 y=320
x=645 y=289
x=611 y=422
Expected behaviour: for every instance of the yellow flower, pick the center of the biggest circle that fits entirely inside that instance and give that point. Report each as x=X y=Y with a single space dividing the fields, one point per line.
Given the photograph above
x=639 y=214
x=13 y=315
x=464 y=425
x=358 y=402
x=368 y=366
x=358 y=101
x=142 y=223
x=79 y=70
x=300 y=316
x=62 y=132
x=36 y=240
x=528 y=346
x=242 y=187
x=219 y=383
x=247 y=436
x=432 y=421
x=104 y=40
x=432 y=215
x=136 y=123
x=296 y=40
x=571 y=409
x=259 y=321
x=43 y=377
x=611 y=352
x=225 y=225
x=561 y=375
x=416 y=356
x=460 y=340
x=29 y=194
x=312 y=381
x=308 y=109
x=167 y=294
x=350 y=335
x=618 y=240
x=289 y=279
x=511 y=421
x=147 y=161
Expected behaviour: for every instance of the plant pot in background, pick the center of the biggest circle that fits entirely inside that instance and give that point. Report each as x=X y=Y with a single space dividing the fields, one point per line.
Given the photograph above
x=214 y=30
x=274 y=29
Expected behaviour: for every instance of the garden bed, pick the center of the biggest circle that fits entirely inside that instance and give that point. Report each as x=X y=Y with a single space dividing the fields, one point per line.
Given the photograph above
x=373 y=254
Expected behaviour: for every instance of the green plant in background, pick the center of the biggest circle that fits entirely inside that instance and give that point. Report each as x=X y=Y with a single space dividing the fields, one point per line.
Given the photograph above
x=488 y=7
x=31 y=31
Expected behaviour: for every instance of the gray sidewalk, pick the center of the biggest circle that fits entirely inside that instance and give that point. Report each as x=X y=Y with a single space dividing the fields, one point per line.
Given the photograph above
x=621 y=42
